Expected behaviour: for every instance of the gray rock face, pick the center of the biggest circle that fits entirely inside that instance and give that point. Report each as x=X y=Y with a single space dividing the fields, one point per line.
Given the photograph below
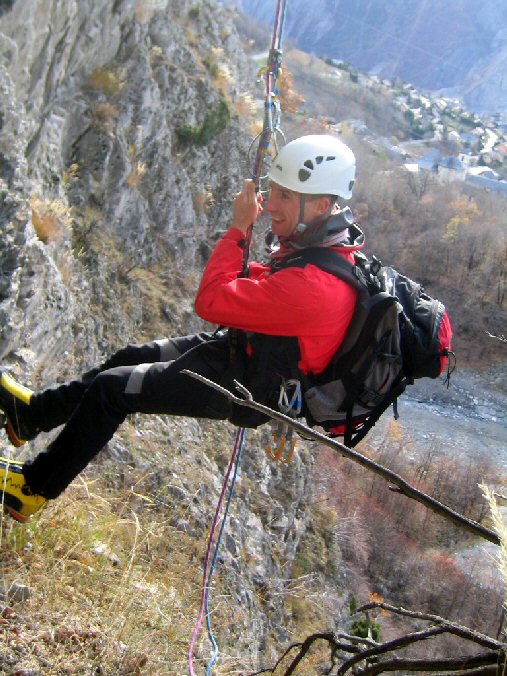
x=458 y=47
x=117 y=173
x=93 y=95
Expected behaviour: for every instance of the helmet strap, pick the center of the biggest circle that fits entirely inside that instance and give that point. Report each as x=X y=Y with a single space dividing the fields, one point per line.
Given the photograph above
x=315 y=222
x=301 y=226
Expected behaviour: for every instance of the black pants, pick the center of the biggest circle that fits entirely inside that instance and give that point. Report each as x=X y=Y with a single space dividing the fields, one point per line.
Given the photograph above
x=139 y=378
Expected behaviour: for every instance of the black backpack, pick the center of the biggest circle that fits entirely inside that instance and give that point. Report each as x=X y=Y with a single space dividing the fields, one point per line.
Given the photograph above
x=398 y=333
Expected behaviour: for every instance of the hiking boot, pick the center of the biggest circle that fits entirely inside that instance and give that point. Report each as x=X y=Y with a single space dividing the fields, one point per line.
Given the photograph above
x=17 y=498
x=15 y=402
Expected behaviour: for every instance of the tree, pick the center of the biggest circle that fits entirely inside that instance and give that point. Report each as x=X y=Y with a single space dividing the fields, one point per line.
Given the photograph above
x=364 y=656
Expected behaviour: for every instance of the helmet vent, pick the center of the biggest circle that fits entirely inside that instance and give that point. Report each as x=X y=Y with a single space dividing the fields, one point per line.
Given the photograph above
x=319 y=159
x=304 y=175
x=308 y=164
x=331 y=157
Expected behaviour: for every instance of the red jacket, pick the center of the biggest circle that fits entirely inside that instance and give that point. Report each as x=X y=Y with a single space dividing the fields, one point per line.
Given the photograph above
x=305 y=302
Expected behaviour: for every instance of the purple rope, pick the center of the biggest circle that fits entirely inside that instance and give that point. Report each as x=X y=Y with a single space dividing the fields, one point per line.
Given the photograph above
x=202 y=612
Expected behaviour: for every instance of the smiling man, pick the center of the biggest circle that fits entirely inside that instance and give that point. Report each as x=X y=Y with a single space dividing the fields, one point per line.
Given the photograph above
x=298 y=302
x=308 y=177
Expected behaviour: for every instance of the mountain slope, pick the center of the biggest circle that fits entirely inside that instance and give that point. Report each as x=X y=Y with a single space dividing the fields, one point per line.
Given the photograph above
x=454 y=46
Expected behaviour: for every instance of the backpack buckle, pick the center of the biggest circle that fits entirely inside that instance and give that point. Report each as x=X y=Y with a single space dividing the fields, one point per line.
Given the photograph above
x=375 y=265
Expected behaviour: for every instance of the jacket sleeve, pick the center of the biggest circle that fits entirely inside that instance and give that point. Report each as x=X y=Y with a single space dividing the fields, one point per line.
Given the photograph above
x=294 y=301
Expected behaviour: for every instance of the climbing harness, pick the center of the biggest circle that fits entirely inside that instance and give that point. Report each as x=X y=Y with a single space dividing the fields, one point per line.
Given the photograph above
x=288 y=398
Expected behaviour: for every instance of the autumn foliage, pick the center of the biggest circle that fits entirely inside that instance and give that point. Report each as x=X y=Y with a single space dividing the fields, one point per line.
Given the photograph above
x=399 y=549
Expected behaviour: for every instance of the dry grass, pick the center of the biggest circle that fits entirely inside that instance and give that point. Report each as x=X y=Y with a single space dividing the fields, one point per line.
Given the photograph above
x=70 y=174
x=191 y=37
x=112 y=588
x=151 y=286
x=245 y=107
x=501 y=530
x=50 y=219
x=115 y=568
x=136 y=175
x=106 y=111
x=256 y=128
x=106 y=115
x=142 y=12
x=220 y=71
x=202 y=201
x=104 y=80
x=65 y=265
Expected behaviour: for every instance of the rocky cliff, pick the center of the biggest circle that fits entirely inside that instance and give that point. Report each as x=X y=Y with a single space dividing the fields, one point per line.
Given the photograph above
x=123 y=136
x=93 y=99
x=457 y=47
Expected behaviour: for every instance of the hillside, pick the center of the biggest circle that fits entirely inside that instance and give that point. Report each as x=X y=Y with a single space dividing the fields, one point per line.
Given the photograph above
x=124 y=133
x=441 y=231
x=456 y=47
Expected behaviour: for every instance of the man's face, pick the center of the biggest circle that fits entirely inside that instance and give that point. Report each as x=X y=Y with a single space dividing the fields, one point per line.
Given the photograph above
x=283 y=207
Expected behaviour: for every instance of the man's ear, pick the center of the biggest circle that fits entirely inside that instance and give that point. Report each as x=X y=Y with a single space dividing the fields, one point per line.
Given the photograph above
x=323 y=204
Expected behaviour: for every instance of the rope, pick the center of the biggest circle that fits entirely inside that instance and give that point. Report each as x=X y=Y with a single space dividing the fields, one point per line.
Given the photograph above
x=271 y=126
x=271 y=105
x=272 y=111
x=215 y=555
x=206 y=578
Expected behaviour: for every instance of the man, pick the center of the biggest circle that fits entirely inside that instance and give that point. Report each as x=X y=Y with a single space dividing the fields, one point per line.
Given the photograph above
x=307 y=177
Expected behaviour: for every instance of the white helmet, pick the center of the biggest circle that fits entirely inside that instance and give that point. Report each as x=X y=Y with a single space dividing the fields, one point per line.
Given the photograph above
x=318 y=164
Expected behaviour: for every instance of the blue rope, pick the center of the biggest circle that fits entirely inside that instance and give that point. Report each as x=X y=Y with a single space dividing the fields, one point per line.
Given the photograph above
x=215 y=553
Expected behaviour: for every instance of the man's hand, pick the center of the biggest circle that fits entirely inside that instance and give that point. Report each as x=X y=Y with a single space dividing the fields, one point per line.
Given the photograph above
x=247 y=206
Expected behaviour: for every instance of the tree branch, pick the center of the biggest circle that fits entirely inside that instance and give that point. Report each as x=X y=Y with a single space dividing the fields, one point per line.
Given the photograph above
x=374 y=650
x=332 y=638
x=502 y=339
x=389 y=646
x=441 y=664
x=402 y=486
x=451 y=627
x=441 y=625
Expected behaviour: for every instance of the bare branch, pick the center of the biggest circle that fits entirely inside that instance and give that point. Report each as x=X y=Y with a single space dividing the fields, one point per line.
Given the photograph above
x=334 y=640
x=402 y=486
x=451 y=627
x=442 y=664
x=304 y=647
x=307 y=644
x=373 y=650
x=389 y=646
x=271 y=670
x=502 y=339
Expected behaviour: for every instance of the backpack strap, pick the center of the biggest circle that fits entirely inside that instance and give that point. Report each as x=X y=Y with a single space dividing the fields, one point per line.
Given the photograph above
x=328 y=260
x=352 y=438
